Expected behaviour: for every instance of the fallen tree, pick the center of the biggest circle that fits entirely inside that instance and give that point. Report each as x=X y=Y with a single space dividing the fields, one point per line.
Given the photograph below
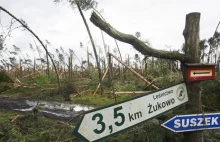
x=137 y=44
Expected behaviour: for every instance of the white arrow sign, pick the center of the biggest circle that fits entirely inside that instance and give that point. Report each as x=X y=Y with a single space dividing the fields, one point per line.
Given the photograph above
x=102 y=122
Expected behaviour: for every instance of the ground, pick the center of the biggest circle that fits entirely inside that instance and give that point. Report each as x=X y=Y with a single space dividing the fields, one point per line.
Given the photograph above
x=33 y=126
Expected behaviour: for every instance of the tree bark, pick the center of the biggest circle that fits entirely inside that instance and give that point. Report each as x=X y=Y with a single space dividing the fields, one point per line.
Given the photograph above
x=137 y=44
x=114 y=38
x=48 y=67
x=191 y=35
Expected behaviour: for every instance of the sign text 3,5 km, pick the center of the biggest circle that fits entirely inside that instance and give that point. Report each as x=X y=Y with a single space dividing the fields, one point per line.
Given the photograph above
x=102 y=122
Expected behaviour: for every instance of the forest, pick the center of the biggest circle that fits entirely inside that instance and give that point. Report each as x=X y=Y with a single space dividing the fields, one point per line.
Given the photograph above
x=45 y=92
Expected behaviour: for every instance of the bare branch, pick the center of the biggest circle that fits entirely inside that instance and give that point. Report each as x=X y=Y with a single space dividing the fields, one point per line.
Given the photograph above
x=10 y=31
x=1 y=23
x=137 y=44
x=11 y=24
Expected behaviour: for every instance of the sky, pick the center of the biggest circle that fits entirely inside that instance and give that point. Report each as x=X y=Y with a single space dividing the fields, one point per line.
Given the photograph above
x=160 y=22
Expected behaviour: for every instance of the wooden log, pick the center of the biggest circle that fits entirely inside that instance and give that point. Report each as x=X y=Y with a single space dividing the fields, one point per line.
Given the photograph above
x=14 y=119
x=29 y=75
x=137 y=74
x=102 y=79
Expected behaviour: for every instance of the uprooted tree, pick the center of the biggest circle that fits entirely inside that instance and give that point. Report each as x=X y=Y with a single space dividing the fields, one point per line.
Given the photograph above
x=192 y=55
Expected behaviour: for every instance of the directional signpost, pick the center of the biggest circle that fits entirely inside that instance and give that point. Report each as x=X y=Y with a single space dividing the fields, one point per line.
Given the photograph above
x=198 y=72
x=102 y=122
x=183 y=123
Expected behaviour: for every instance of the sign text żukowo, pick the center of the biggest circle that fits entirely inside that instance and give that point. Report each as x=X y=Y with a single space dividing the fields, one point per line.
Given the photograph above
x=102 y=122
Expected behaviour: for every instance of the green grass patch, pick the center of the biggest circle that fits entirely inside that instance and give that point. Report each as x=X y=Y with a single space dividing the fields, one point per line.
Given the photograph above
x=98 y=100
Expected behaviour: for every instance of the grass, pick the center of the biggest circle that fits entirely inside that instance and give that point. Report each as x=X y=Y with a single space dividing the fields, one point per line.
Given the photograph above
x=3 y=86
x=32 y=128
x=23 y=92
x=36 y=92
x=98 y=100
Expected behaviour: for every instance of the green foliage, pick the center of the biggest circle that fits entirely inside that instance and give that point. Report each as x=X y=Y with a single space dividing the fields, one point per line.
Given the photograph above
x=134 y=85
x=121 y=86
x=213 y=44
x=53 y=78
x=41 y=79
x=210 y=93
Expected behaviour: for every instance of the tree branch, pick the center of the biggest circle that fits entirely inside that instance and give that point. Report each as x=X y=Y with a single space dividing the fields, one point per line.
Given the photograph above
x=10 y=31
x=137 y=44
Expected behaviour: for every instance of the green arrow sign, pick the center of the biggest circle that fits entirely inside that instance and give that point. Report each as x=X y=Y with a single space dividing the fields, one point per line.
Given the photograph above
x=106 y=121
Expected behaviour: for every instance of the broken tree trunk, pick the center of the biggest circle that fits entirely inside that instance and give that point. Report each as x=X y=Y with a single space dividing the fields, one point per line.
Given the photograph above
x=191 y=35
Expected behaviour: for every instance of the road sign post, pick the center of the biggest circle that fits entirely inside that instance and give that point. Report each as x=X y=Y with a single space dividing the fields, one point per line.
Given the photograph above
x=193 y=122
x=103 y=122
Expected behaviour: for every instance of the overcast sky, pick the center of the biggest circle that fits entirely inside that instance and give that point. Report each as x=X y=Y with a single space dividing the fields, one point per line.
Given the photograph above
x=159 y=21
